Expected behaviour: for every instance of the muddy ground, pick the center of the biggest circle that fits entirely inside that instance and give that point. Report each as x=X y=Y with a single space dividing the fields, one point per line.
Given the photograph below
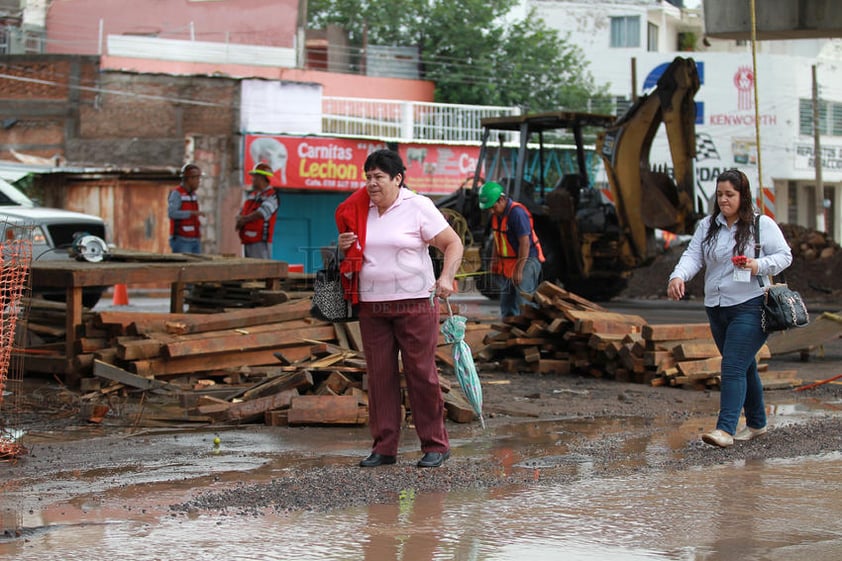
x=570 y=413
x=321 y=473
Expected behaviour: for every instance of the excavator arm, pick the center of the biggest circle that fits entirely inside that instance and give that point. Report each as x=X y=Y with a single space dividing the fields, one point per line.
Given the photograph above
x=647 y=198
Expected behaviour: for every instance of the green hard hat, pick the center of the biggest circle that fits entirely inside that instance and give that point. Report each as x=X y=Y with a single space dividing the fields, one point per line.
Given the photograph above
x=489 y=194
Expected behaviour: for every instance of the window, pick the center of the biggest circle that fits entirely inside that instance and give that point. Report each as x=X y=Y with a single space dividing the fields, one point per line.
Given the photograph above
x=830 y=117
x=792 y=203
x=625 y=31
x=652 y=38
x=621 y=104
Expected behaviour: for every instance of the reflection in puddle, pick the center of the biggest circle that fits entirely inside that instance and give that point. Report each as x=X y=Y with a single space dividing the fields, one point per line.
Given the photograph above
x=771 y=510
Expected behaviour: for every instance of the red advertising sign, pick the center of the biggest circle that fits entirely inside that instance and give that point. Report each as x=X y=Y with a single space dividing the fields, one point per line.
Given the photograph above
x=336 y=164
x=332 y=164
x=438 y=169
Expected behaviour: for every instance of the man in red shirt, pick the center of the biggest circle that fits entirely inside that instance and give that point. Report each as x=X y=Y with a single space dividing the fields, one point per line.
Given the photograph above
x=256 y=222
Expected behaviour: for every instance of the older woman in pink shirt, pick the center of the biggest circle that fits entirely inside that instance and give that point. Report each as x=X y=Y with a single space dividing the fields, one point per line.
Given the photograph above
x=385 y=231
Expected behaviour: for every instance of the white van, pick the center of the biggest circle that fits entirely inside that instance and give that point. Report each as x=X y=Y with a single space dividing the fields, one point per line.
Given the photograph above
x=52 y=231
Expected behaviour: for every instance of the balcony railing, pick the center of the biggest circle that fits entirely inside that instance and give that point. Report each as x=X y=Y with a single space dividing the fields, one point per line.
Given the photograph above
x=407 y=120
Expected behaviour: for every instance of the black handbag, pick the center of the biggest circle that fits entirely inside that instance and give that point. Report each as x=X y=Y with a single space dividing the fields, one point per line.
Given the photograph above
x=329 y=303
x=783 y=307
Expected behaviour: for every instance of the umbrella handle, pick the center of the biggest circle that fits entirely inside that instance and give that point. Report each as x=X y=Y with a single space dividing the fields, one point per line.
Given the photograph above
x=449 y=310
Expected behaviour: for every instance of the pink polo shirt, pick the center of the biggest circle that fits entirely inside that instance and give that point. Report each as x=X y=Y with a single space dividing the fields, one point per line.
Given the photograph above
x=396 y=259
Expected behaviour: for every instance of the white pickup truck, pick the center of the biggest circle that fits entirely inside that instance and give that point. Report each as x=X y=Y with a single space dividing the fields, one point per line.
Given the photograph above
x=52 y=231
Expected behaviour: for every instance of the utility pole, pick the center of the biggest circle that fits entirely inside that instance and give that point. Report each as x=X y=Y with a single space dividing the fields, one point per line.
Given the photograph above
x=817 y=156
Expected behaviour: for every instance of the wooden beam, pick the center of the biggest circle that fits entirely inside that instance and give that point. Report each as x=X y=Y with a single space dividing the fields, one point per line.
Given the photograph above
x=117 y=374
x=326 y=410
x=240 y=342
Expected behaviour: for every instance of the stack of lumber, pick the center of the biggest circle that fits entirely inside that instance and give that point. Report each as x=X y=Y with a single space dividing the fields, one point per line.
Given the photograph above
x=568 y=334
x=213 y=297
x=565 y=333
x=686 y=355
x=273 y=364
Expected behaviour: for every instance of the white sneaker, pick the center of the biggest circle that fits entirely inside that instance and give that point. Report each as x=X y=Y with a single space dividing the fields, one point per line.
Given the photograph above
x=718 y=438
x=748 y=433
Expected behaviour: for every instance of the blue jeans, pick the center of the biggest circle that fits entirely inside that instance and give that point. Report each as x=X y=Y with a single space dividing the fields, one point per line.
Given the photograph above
x=510 y=298
x=180 y=244
x=738 y=335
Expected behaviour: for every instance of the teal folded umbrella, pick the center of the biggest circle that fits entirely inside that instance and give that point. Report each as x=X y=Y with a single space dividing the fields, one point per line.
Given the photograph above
x=453 y=329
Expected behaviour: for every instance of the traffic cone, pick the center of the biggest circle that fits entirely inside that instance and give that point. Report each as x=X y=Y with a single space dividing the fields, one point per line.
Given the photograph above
x=121 y=295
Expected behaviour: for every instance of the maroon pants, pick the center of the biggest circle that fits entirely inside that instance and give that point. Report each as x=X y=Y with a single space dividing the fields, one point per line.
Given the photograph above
x=411 y=327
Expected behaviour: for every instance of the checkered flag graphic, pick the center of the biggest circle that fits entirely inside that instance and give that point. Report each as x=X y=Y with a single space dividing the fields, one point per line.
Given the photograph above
x=705 y=148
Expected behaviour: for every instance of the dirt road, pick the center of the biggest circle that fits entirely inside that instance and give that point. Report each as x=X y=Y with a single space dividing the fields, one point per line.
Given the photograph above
x=536 y=425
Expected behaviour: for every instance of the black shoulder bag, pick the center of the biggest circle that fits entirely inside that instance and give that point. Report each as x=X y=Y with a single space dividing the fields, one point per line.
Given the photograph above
x=329 y=303
x=782 y=307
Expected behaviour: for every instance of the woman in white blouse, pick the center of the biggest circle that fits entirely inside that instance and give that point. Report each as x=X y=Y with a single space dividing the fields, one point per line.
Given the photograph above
x=724 y=244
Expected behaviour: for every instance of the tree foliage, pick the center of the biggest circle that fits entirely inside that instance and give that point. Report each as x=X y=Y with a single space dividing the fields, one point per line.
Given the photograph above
x=473 y=51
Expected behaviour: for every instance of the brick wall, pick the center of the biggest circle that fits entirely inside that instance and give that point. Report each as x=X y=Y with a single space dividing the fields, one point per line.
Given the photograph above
x=40 y=98
x=63 y=105
x=127 y=120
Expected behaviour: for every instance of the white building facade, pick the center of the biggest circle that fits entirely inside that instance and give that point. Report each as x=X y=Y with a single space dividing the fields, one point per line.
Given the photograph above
x=644 y=35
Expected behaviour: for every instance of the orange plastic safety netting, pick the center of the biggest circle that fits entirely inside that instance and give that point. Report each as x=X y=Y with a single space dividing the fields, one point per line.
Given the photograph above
x=15 y=261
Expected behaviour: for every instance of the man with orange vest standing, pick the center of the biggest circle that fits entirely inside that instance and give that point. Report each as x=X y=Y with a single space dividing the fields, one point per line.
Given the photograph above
x=183 y=212
x=517 y=255
x=256 y=222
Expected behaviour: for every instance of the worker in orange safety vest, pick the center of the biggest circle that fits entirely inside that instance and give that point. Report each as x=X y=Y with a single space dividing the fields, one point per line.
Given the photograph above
x=517 y=253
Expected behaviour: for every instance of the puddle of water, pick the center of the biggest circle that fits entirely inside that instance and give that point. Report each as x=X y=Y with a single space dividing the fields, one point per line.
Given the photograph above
x=776 y=511
x=772 y=510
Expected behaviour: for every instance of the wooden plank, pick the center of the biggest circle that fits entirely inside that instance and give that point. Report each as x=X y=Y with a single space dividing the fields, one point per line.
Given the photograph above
x=444 y=355
x=324 y=410
x=709 y=366
x=276 y=418
x=145 y=320
x=654 y=358
x=143 y=348
x=254 y=410
x=251 y=341
x=327 y=361
x=692 y=378
x=338 y=382
x=526 y=341
x=231 y=359
x=458 y=409
x=676 y=331
x=200 y=323
x=604 y=322
x=341 y=335
x=553 y=366
x=691 y=351
x=300 y=380
x=355 y=338
x=117 y=374
x=531 y=354
x=826 y=327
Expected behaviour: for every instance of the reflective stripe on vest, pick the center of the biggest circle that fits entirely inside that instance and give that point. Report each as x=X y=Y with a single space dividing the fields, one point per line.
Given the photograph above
x=506 y=254
x=259 y=229
x=186 y=227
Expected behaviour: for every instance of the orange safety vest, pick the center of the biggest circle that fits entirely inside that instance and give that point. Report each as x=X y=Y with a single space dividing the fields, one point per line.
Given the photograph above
x=259 y=229
x=186 y=227
x=506 y=254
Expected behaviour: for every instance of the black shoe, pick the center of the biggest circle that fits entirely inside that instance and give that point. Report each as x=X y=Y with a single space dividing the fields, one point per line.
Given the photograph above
x=433 y=459
x=377 y=460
